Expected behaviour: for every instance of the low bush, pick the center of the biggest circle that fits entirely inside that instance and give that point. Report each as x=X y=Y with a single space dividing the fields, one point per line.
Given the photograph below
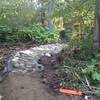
x=92 y=73
x=84 y=45
x=34 y=33
x=5 y=31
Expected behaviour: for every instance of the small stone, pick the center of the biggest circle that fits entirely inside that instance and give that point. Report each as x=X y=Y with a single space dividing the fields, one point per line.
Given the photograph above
x=40 y=67
x=29 y=66
x=21 y=65
x=86 y=97
x=44 y=81
x=48 y=54
x=15 y=59
x=16 y=64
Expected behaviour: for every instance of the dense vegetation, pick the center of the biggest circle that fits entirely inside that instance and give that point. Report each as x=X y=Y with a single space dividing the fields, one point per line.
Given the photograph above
x=20 y=17
x=34 y=33
x=40 y=21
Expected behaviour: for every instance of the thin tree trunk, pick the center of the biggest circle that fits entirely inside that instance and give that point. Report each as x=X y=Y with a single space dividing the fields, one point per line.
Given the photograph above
x=43 y=17
x=97 y=28
x=50 y=13
x=42 y=12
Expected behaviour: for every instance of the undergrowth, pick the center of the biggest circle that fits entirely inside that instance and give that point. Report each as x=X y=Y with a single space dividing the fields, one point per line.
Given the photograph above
x=34 y=33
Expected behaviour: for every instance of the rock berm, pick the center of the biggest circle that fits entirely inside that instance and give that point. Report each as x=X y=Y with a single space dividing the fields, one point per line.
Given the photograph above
x=26 y=61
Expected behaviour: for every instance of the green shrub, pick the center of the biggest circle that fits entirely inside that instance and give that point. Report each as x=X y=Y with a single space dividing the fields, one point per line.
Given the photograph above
x=91 y=72
x=4 y=32
x=85 y=45
x=38 y=34
x=34 y=33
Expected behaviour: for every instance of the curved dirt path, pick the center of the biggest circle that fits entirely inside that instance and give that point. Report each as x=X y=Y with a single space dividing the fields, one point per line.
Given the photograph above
x=28 y=86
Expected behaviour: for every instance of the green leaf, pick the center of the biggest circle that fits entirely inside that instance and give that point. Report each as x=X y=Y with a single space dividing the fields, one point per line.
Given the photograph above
x=1 y=97
x=96 y=77
x=90 y=69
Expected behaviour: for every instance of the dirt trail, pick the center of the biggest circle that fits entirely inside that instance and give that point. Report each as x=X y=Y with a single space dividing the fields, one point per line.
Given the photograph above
x=27 y=87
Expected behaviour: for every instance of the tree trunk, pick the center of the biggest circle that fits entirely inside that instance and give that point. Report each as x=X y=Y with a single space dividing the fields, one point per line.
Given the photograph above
x=50 y=13
x=97 y=28
x=43 y=17
x=42 y=12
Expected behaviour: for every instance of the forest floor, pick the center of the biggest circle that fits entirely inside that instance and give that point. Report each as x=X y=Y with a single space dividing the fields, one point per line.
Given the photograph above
x=30 y=86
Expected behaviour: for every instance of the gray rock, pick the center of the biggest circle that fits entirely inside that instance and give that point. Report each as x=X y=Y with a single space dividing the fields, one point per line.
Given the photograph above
x=27 y=60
